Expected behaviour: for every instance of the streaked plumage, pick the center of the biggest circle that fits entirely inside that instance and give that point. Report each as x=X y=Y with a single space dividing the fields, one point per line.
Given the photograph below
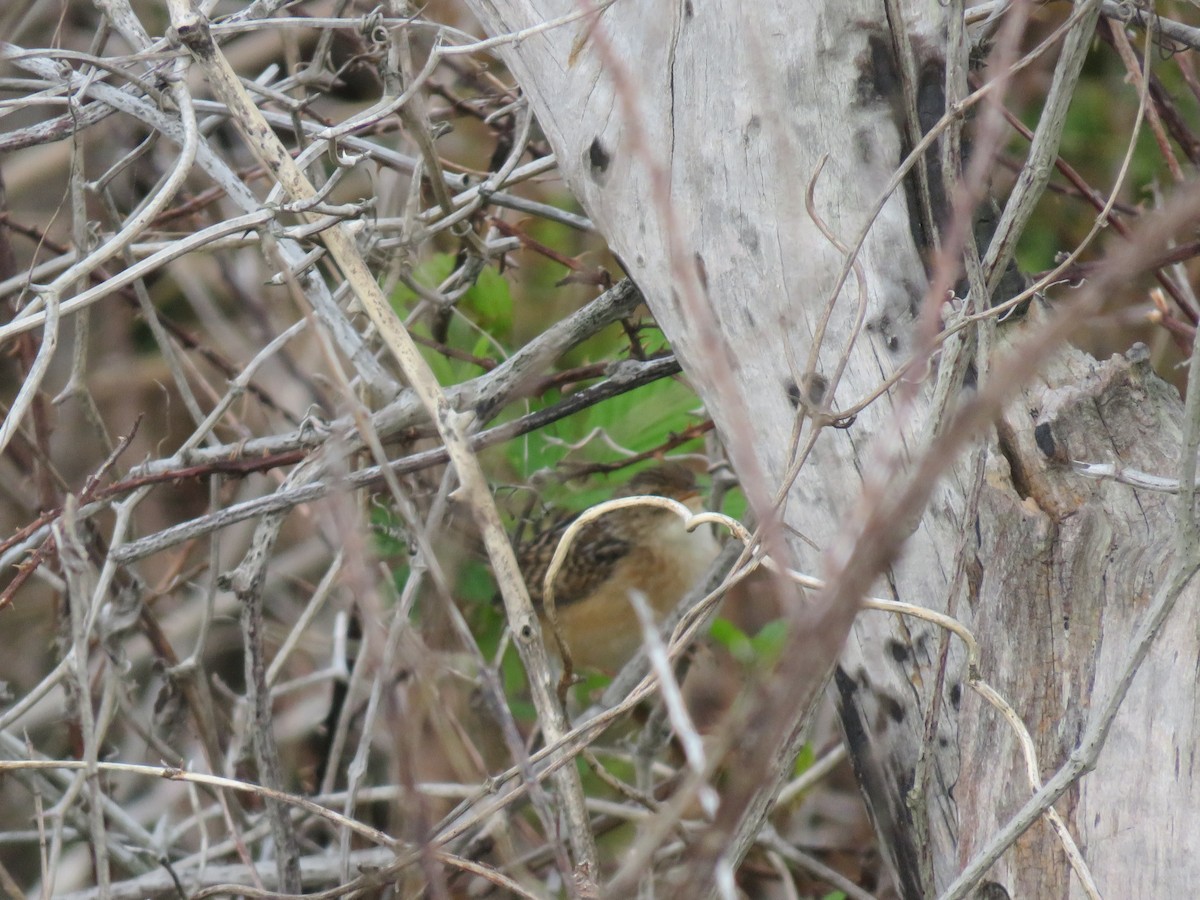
x=642 y=548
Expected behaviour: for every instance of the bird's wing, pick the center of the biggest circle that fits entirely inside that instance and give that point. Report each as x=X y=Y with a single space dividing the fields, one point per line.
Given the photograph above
x=594 y=554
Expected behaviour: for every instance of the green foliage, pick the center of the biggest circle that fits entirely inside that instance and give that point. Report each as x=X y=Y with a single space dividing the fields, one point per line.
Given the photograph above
x=759 y=651
x=804 y=760
x=489 y=305
x=639 y=420
x=475 y=585
x=734 y=504
x=481 y=324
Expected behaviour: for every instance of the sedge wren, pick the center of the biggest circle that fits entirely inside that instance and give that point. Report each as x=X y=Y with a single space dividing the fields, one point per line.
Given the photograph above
x=638 y=548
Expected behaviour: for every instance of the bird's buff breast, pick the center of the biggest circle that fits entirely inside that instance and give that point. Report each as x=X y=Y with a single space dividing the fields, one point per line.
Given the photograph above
x=602 y=629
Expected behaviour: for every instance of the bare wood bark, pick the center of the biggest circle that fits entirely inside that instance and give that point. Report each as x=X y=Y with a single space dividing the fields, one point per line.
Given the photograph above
x=688 y=132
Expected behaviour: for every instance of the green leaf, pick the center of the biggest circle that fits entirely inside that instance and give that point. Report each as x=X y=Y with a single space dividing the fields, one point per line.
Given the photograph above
x=735 y=505
x=768 y=644
x=804 y=760
x=760 y=651
x=400 y=577
x=475 y=584
x=732 y=639
x=489 y=305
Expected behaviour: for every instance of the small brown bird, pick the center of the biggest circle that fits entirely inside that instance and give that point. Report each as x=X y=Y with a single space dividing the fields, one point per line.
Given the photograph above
x=642 y=548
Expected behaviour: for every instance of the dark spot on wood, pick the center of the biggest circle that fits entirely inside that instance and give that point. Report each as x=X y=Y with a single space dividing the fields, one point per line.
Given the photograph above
x=792 y=390
x=527 y=632
x=955 y=695
x=598 y=156
x=688 y=9
x=921 y=641
x=892 y=707
x=931 y=95
x=1066 y=623
x=753 y=127
x=598 y=161
x=857 y=739
x=991 y=890
x=942 y=742
x=931 y=104
x=898 y=650
x=894 y=818
x=1044 y=437
x=815 y=387
x=877 y=73
x=893 y=343
x=845 y=684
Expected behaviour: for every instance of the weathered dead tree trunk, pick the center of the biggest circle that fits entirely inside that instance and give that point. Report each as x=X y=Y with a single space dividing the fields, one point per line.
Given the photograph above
x=689 y=131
